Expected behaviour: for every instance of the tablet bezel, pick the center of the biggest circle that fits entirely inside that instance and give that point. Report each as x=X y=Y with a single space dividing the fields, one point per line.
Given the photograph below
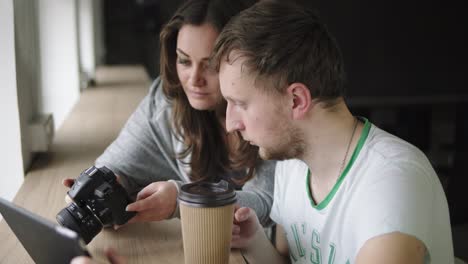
x=44 y=241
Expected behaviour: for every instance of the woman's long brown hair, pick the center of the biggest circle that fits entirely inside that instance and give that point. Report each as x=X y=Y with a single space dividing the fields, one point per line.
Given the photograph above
x=201 y=131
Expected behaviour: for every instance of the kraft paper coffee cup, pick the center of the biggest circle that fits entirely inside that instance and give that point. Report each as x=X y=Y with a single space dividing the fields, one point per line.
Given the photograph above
x=206 y=212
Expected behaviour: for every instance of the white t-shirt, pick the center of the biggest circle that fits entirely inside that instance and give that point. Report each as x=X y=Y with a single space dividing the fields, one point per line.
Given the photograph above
x=388 y=185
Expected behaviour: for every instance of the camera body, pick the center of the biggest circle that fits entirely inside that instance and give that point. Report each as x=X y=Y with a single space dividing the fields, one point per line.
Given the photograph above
x=98 y=201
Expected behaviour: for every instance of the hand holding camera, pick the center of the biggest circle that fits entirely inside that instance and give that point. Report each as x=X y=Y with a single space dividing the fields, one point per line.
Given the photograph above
x=155 y=202
x=98 y=201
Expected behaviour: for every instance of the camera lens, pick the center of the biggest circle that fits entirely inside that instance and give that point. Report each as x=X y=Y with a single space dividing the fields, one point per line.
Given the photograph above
x=80 y=220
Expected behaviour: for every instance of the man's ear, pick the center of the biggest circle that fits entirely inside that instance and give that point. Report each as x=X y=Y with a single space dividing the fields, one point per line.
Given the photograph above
x=301 y=100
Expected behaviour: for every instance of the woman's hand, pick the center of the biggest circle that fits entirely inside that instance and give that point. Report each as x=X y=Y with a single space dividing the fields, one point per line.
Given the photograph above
x=111 y=255
x=155 y=202
x=245 y=228
x=68 y=183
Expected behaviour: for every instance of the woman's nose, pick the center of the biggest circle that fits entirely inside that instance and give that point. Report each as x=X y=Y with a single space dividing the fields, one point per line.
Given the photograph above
x=197 y=77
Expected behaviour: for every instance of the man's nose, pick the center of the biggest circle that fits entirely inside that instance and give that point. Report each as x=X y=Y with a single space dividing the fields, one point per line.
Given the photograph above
x=233 y=123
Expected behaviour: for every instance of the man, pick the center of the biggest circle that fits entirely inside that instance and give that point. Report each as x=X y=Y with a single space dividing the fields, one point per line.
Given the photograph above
x=347 y=192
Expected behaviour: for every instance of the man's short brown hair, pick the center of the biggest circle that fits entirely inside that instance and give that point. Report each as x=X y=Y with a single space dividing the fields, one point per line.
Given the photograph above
x=282 y=43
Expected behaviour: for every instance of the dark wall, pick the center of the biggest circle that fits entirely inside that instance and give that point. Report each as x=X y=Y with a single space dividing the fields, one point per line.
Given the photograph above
x=399 y=47
x=132 y=31
x=391 y=48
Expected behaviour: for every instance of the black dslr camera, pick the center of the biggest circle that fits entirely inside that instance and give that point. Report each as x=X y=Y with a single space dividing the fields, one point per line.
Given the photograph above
x=98 y=201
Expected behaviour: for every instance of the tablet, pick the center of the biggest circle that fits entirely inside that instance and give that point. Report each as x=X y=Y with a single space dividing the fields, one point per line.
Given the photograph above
x=44 y=241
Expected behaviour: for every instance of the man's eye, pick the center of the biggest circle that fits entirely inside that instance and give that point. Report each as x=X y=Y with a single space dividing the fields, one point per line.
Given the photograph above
x=240 y=104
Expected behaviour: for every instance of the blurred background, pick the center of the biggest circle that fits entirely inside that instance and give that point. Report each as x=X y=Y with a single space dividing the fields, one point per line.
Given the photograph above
x=406 y=64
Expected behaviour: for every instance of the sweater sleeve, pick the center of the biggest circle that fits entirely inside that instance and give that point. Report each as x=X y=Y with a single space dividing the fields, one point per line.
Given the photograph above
x=257 y=193
x=143 y=151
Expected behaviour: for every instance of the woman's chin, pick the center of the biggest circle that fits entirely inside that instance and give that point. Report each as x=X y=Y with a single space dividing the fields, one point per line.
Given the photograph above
x=202 y=105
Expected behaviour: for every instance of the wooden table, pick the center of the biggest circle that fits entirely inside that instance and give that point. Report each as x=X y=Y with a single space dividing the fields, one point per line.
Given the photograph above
x=157 y=242
x=92 y=125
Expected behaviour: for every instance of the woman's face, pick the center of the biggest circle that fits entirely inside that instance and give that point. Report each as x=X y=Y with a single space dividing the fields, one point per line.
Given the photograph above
x=194 y=47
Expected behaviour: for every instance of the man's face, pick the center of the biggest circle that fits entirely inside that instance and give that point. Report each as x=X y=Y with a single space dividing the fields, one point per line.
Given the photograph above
x=262 y=118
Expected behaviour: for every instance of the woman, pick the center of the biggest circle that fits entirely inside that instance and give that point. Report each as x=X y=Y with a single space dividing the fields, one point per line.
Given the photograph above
x=177 y=133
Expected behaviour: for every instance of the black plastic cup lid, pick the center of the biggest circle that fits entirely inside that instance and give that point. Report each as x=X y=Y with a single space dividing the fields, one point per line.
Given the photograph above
x=207 y=194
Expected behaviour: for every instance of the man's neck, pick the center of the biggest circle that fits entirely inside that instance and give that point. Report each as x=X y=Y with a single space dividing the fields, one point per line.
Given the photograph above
x=328 y=138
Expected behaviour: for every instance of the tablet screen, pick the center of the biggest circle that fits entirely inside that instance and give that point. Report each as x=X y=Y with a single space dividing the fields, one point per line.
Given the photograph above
x=44 y=241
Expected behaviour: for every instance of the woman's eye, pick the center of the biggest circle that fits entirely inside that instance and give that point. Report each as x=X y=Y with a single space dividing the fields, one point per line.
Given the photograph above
x=183 y=61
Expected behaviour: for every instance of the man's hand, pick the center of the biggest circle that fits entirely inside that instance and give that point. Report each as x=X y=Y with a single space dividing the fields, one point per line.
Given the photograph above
x=155 y=202
x=111 y=255
x=248 y=235
x=246 y=225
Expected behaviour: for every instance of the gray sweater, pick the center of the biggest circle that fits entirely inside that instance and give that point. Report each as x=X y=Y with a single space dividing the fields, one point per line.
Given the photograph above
x=145 y=151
